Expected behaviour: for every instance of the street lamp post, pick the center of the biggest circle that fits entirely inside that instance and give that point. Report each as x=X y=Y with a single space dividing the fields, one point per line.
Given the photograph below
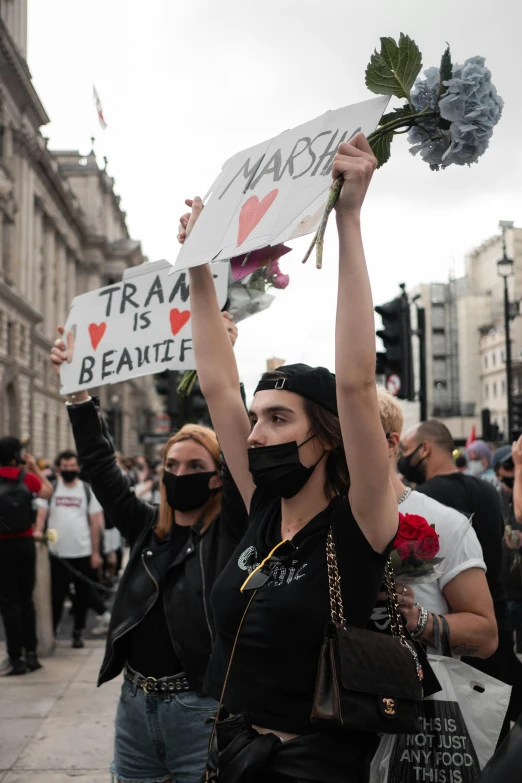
x=505 y=270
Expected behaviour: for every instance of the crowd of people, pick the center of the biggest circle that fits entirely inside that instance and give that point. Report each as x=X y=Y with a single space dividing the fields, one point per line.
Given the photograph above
x=246 y=540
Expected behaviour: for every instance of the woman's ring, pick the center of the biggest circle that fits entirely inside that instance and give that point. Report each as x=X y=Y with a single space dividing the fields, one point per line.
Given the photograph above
x=405 y=590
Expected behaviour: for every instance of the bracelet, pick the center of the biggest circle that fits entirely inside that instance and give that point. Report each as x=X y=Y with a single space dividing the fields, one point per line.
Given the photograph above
x=421 y=624
x=73 y=396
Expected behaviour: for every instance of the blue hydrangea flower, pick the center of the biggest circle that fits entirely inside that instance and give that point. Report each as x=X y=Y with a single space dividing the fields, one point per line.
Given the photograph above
x=470 y=104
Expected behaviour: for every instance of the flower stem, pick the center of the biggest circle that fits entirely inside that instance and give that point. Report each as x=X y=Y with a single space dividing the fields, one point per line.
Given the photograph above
x=318 y=239
x=390 y=127
x=187 y=382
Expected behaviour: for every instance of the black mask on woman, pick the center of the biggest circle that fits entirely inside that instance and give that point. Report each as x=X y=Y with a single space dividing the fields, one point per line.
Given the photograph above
x=278 y=471
x=189 y=491
x=69 y=475
x=411 y=472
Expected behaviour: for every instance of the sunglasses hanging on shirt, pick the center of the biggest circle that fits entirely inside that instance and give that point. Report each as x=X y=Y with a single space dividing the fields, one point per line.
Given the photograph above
x=260 y=575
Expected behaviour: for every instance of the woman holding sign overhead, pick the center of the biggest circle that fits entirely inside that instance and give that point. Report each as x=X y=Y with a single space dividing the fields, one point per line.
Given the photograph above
x=309 y=442
x=161 y=629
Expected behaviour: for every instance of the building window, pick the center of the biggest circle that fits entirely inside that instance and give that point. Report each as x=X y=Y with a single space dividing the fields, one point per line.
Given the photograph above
x=494 y=388
x=22 y=340
x=10 y=334
x=502 y=356
x=502 y=387
x=494 y=358
x=486 y=362
x=486 y=391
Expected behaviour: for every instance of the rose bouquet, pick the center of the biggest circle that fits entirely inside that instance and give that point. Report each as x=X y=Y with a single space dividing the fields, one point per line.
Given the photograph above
x=415 y=550
x=449 y=115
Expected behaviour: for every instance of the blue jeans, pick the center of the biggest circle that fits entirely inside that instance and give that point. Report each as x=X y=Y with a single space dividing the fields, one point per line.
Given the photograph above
x=161 y=738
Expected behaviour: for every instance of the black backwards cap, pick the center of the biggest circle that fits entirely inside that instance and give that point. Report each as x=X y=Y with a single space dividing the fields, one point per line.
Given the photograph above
x=316 y=384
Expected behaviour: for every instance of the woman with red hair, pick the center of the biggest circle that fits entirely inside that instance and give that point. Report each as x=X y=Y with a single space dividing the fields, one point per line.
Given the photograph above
x=161 y=630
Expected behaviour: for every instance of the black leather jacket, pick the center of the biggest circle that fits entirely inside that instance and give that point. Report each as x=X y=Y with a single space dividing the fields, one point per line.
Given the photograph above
x=191 y=575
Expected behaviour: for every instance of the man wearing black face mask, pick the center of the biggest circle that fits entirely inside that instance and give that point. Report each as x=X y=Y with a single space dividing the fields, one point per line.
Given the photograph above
x=428 y=461
x=77 y=517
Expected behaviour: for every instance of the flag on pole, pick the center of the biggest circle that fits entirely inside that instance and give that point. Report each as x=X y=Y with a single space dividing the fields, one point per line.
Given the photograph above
x=99 y=108
x=472 y=437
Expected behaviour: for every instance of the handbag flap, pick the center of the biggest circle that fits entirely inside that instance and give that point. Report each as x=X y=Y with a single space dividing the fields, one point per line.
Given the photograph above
x=372 y=662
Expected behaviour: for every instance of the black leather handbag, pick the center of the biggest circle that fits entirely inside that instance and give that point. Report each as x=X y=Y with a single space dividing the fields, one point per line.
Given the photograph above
x=366 y=681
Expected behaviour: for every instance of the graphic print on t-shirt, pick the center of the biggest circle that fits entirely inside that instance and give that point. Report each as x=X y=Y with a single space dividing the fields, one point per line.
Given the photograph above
x=67 y=501
x=280 y=574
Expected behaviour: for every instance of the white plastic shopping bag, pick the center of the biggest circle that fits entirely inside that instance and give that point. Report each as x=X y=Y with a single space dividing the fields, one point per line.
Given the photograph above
x=461 y=727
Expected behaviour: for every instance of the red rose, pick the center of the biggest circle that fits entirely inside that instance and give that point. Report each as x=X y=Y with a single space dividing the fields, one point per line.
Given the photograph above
x=413 y=531
x=404 y=549
x=427 y=545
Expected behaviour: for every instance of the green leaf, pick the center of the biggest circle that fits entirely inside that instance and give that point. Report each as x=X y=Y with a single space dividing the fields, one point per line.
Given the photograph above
x=394 y=69
x=446 y=68
x=381 y=148
x=396 y=114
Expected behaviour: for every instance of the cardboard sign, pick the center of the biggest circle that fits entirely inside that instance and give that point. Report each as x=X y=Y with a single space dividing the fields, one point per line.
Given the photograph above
x=137 y=327
x=277 y=190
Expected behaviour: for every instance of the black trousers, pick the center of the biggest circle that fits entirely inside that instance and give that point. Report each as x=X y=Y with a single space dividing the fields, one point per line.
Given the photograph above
x=86 y=596
x=17 y=577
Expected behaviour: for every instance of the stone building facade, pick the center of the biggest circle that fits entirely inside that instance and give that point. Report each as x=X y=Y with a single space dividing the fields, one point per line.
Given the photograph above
x=62 y=233
x=465 y=345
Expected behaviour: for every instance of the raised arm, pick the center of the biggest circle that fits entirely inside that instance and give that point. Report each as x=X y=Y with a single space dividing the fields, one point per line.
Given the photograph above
x=98 y=460
x=371 y=494
x=46 y=490
x=217 y=368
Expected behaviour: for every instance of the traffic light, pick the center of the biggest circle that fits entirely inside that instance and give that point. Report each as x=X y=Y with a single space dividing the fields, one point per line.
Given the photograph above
x=113 y=420
x=195 y=407
x=517 y=417
x=397 y=360
x=161 y=383
x=166 y=384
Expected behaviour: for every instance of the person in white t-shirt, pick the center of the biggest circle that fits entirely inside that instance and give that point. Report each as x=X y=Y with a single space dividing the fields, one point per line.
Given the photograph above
x=75 y=514
x=459 y=599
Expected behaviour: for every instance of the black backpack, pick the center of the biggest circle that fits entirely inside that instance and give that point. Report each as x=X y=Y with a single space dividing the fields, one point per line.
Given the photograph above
x=16 y=505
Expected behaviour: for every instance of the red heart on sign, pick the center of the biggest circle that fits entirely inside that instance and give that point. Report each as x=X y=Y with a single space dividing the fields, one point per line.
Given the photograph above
x=178 y=319
x=251 y=213
x=96 y=332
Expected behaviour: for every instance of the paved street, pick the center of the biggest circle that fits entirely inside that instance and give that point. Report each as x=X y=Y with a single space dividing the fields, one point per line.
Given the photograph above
x=55 y=725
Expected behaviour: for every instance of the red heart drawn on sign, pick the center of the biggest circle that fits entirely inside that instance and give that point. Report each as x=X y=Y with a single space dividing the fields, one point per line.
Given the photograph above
x=96 y=332
x=251 y=213
x=178 y=319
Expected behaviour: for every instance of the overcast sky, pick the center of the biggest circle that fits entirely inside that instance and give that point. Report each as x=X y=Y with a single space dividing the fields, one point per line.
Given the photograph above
x=185 y=85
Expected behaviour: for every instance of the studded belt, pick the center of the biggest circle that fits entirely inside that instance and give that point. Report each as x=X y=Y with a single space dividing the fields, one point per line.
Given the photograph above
x=176 y=683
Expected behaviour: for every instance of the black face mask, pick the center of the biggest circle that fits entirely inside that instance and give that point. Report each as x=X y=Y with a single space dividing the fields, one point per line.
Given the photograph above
x=508 y=481
x=278 y=471
x=411 y=472
x=189 y=491
x=69 y=475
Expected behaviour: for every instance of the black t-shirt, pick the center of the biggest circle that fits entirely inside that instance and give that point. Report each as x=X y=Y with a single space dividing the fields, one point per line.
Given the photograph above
x=148 y=647
x=273 y=673
x=474 y=496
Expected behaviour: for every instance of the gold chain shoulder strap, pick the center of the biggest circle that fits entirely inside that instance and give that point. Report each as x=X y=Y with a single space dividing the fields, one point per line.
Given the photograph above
x=394 y=612
x=334 y=583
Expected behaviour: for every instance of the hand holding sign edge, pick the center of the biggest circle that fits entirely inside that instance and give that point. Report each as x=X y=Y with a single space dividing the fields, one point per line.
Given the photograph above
x=57 y=357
